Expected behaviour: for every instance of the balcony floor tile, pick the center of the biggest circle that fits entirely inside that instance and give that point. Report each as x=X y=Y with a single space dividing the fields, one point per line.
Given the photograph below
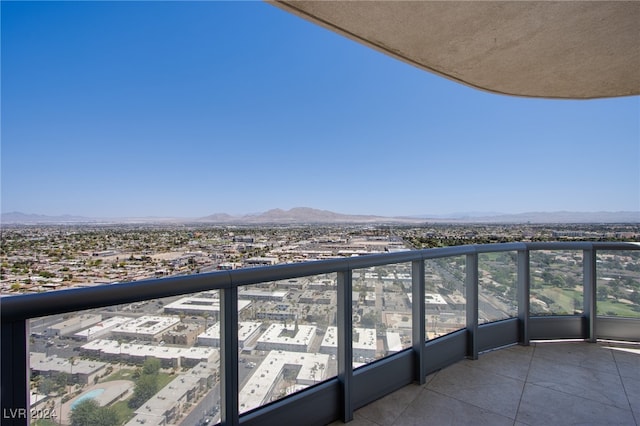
x=511 y=362
x=390 y=407
x=545 y=383
x=492 y=392
x=543 y=406
x=437 y=409
x=588 y=383
x=627 y=360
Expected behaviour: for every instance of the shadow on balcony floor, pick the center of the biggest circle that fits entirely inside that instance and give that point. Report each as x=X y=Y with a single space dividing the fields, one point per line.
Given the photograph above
x=556 y=383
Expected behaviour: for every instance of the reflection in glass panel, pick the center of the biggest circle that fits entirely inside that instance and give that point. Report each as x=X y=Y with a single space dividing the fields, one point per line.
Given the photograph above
x=497 y=286
x=445 y=296
x=618 y=285
x=381 y=312
x=137 y=363
x=556 y=282
x=282 y=333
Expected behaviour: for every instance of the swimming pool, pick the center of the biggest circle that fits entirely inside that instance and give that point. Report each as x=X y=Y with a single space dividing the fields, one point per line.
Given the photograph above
x=91 y=394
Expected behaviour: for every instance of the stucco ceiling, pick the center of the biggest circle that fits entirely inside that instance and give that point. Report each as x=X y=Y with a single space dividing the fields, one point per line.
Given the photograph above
x=550 y=49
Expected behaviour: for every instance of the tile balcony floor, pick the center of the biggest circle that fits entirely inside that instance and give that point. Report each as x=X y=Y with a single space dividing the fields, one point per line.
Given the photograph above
x=550 y=383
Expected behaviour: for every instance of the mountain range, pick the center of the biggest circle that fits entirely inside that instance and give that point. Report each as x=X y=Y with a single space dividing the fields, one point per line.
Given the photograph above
x=306 y=215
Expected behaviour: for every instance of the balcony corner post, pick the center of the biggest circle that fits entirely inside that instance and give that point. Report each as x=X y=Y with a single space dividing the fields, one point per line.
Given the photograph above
x=418 y=319
x=15 y=373
x=471 y=287
x=524 y=298
x=590 y=292
x=229 y=386
x=345 y=341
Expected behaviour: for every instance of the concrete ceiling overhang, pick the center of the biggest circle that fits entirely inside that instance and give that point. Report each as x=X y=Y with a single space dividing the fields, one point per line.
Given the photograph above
x=549 y=49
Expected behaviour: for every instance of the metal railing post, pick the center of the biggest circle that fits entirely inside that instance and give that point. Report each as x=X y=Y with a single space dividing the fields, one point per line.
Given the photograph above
x=523 y=295
x=418 y=319
x=15 y=373
x=471 y=287
x=590 y=291
x=229 y=393
x=345 y=341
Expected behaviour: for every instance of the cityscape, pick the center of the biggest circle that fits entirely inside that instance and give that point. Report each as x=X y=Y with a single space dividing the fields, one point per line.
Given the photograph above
x=158 y=361
x=176 y=294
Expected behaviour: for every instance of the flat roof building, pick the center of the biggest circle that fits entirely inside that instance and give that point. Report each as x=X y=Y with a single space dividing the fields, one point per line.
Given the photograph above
x=138 y=353
x=256 y=294
x=261 y=261
x=260 y=388
x=81 y=371
x=200 y=305
x=317 y=297
x=364 y=343
x=394 y=342
x=100 y=329
x=147 y=327
x=166 y=406
x=247 y=332
x=72 y=325
x=184 y=334
x=290 y=337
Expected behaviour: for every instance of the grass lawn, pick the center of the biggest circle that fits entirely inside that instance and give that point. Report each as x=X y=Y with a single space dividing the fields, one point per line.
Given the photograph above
x=123 y=411
x=610 y=307
x=563 y=299
x=164 y=379
x=122 y=374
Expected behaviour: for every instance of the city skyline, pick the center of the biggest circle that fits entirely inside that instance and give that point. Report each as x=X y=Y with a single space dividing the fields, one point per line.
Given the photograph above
x=186 y=110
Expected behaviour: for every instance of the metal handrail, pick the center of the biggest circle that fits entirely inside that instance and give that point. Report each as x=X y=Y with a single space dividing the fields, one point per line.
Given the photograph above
x=26 y=306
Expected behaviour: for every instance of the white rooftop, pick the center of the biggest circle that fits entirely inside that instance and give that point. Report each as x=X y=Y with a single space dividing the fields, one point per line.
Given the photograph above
x=366 y=338
x=313 y=368
x=148 y=325
x=102 y=326
x=246 y=329
x=276 y=334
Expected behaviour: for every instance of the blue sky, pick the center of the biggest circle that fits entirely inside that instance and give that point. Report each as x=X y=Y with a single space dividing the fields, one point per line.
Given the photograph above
x=188 y=109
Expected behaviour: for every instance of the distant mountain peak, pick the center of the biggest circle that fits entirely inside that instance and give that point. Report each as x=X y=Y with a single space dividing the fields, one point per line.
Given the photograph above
x=308 y=215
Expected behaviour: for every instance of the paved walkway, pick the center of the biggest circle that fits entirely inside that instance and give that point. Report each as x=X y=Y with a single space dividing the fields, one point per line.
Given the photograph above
x=556 y=383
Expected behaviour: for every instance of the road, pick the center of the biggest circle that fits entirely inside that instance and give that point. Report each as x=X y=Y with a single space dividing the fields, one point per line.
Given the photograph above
x=489 y=308
x=207 y=408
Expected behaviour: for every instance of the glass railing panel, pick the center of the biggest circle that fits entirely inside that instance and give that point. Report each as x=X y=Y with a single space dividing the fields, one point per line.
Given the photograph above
x=283 y=330
x=618 y=283
x=556 y=282
x=445 y=296
x=497 y=286
x=382 y=317
x=128 y=363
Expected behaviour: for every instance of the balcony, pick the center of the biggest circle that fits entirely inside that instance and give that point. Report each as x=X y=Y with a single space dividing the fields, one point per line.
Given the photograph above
x=361 y=343
x=544 y=383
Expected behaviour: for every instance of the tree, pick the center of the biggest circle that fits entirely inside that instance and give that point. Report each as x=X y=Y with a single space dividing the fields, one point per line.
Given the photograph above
x=46 y=385
x=89 y=412
x=369 y=320
x=104 y=416
x=151 y=366
x=603 y=293
x=82 y=413
x=558 y=281
x=61 y=380
x=146 y=387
